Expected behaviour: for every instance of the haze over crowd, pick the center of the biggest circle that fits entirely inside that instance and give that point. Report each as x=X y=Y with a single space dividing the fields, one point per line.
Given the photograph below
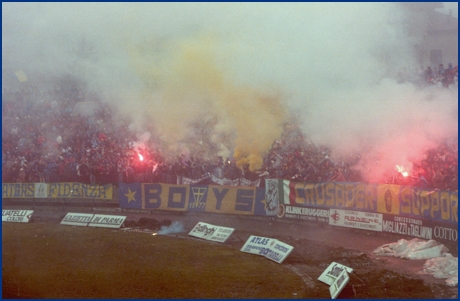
x=246 y=65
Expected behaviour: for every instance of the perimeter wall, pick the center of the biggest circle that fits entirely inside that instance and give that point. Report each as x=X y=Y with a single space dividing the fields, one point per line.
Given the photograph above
x=404 y=211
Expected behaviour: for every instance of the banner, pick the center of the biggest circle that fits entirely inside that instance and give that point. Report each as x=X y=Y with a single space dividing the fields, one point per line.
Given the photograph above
x=270 y=248
x=439 y=205
x=107 y=221
x=246 y=182
x=77 y=219
x=41 y=190
x=194 y=198
x=273 y=189
x=356 y=219
x=224 y=181
x=188 y=181
x=209 y=177
x=79 y=190
x=355 y=196
x=18 y=190
x=211 y=232
x=57 y=190
x=18 y=216
x=232 y=200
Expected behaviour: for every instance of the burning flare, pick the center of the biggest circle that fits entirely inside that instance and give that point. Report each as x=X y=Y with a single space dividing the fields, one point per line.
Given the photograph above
x=141 y=157
x=402 y=171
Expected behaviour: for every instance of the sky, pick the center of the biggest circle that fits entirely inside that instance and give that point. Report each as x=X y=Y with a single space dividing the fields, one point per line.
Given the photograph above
x=248 y=65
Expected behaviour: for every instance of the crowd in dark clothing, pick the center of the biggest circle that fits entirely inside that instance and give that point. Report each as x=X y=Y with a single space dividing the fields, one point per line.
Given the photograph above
x=43 y=140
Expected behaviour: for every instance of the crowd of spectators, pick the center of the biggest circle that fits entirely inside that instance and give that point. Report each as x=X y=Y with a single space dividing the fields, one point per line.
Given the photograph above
x=438 y=76
x=43 y=140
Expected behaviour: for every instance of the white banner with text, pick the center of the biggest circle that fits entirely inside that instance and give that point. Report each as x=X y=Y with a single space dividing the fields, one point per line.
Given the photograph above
x=77 y=219
x=107 y=221
x=270 y=248
x=336 y=276
x=211 y=232
x=18 y=216
x=356 y=219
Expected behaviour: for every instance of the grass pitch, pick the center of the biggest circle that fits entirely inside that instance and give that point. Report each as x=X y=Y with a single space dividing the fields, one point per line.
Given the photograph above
x=56 y=261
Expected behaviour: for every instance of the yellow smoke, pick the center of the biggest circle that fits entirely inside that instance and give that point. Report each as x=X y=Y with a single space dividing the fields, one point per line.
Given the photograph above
x=183 y=83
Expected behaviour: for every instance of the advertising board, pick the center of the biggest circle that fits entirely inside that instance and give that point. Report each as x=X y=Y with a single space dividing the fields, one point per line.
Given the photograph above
x=270 y=248
x=211 y=232
x=304 y=213
x=107 y=221
x=339 y=284
x=335 y=275
x=356 y=219
x=330 y=274
x=77 y=219
x=421 y=228
x=18 y=216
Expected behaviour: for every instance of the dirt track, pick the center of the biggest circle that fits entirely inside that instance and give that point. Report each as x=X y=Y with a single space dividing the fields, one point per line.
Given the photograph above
x=315 y=247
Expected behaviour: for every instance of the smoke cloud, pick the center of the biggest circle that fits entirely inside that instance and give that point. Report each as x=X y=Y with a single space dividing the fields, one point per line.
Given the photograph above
x=243 y=67
x=175 y=227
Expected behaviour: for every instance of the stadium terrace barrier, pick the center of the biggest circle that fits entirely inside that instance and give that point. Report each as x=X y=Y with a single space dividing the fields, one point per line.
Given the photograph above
x=393 y=209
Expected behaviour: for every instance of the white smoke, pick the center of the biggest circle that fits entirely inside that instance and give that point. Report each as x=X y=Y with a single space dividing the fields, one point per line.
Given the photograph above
x=245 y=64
x=175 y=227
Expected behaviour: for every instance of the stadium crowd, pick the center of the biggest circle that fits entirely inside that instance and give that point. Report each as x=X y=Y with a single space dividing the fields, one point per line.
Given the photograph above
x=424 y=77
x=43 y=140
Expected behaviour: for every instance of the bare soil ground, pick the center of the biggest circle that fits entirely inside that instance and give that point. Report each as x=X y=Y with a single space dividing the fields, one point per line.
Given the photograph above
x=315 y=247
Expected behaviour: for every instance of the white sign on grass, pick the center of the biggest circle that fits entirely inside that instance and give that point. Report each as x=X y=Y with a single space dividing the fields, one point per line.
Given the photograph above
x=336 y=275
x=18 y=216
x=332 y=272
x=272 y=249
x=211 y=232
x=339 y=284
x=256 y=244
x=77 y=219
x=107 y=221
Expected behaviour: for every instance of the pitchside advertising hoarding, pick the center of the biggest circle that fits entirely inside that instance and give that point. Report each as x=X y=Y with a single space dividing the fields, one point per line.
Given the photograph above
x=356 y=219
x=424 y=229
x=304 y=213
x=411 y=211
x=211 y=232
x=93 y=220
x=77 y=219
x=336 y=276
x=270 y=248
x=107 y=221
x=18 y=216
